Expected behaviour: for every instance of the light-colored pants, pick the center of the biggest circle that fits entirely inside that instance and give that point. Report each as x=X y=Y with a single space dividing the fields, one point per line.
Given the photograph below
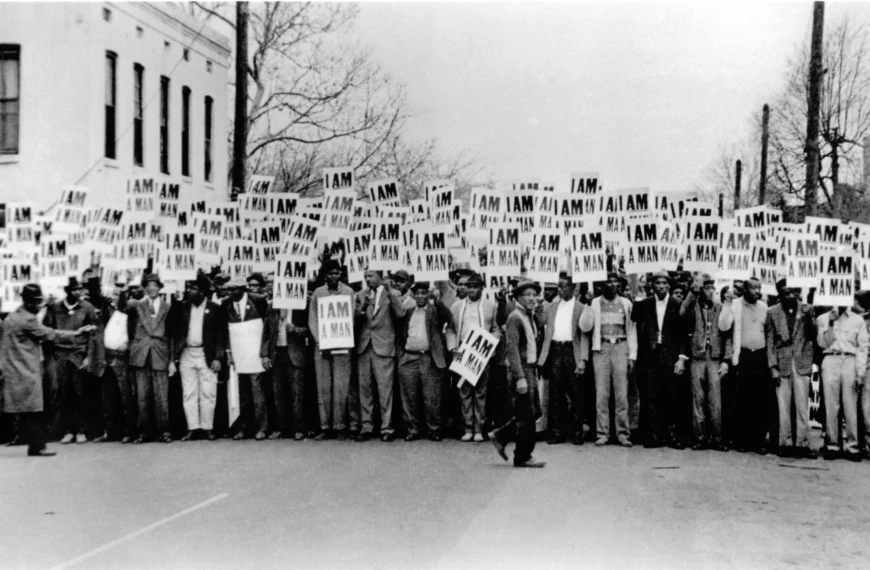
x=333 y=383
x=865 y=410
x=611 y=374
x=706 y=399
x=199 y=389
x=794 y=388
x=376 y=373
x=838 y=381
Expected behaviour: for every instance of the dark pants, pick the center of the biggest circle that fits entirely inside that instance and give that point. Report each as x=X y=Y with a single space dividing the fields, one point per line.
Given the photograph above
x=660 y=400
x=68 y=396
x=288 y=387
x=565 y=418
x=521 y=427
x=117 y=384
x=32 y=426
x=453 y=423
x=754 y=391
x=252 y=403
x=499 y=407
x=152 y=391
x=420 y=380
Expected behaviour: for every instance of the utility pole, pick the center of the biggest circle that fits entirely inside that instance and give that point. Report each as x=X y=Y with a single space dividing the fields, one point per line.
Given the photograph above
x=738 y=172
x=765 y=138
x=814 y=104
x=721 y=205
x=241 y=116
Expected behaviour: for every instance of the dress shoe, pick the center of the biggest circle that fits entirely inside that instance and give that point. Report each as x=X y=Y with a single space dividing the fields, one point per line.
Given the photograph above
x=15 y=441
x=577 y=440
x=601 y=441
x=341 y=436
x=467 y=437
x=102 y=439
x=531 y=463
x=188 y=436
x=139 y=440
x=165 y=438
x=322 y=436
x=276 y=435
x=626 y=443
x=434 y=437
x=210 y=435
x=830 y=454
x=760 y=450
x=362 y=437
x=388 y=437
x=676 y=444
x=856 y=457
x=68 y=438
x=499 y=446
x=298 y=436
x=556 y=440
x=412 y=437
x=239 y=436
x=126 y=439
x=261 y=435
x=41 y=453
x=81 y=438
x=785 y=451
x=478 y=437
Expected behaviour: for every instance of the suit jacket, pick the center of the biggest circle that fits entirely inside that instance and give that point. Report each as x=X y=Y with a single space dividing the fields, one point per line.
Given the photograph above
x=378 y=329
x=323 y=291
x=57 y=317
x=720 y=344
x=213 y=326
x=150 y=334
x=256 y=308
x=437 y=316
x=674 y=337
x=489 y=324
x=580 y=340
x=516 y=346
x=786 y=346
x=296 y=347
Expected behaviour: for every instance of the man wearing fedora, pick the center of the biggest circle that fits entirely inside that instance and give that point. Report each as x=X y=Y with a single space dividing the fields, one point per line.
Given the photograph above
x=522 y=356
x=473 y=311
x=422 y=361
x=69 y=391
x=239 y=307
x=151 y=359
x=198 y=348
x=21 y=366
x=332 y=367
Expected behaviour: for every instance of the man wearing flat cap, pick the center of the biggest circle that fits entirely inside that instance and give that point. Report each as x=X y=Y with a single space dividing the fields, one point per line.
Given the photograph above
x=66 y=365
x=21 y=366
x=473 y=311
x=422 y=361
x=333 y=367
x=663 y=353
x=402 y=283
x=522 y=357
x=240 y=307
x=151 y=359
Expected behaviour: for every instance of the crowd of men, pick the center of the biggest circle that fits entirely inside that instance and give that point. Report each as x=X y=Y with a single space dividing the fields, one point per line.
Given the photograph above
x=680 y=364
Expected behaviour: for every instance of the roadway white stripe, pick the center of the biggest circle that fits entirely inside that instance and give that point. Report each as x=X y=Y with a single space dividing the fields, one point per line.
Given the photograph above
x=139 y=532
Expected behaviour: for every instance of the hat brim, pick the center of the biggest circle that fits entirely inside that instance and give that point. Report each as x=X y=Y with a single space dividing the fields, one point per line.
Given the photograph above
x=520 y=289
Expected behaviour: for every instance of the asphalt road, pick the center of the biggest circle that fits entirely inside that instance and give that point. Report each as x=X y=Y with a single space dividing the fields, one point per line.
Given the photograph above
x=426 y=505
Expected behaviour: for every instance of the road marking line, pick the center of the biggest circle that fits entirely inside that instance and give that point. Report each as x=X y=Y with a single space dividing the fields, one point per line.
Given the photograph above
x=139 y=532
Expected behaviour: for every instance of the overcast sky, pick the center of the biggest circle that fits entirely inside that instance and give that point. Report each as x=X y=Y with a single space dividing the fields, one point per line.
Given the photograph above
x=644 y=94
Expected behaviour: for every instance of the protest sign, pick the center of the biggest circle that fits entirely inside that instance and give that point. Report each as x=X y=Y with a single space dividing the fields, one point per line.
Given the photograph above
x=477 y=348
x=301 y=239
x=335 y=322
x=735 y=252
x=588 y=254
x=79 y=255
x=571 y=210
x=702 y=244
x=861 y=247
x=20 y=227
x=431 y=185
x=399 y=214
x=521 y=208
x=53 y=263
x=827 y=230
x=758 y=218
x=358 y=253
x=441 y=205
x=106 y=230
x=671 y=205
x=503 y=251
x=585 y=183
x=179 y=259
x=245 y=340
x=209 y=239
x=14 y=275
x=337 y=213
x=545 y=256
x=254 y=208
x=170 y=200
x=545 y=214
x=384 y=192
x=291 y=283
x=487 y=206
x=430 y=259
x=799 y=259
x=283 y=205
x=70 y=213
x=362 y=215
x=141 y=199
x=386 y=251
x=764 y=265
x=837 y=284
x=338 y=178
x=642 y=239
x=259 y=184
x=419 y=210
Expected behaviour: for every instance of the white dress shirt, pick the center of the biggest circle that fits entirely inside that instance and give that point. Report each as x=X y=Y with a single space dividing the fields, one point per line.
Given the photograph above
x=377 y=298
x=155 y=306
x=661 y=307
x=194 y=330
x=241 y=305
x=563 y=331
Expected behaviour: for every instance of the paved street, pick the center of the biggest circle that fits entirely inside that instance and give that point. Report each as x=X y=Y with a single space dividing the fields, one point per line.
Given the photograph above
x=426 y=505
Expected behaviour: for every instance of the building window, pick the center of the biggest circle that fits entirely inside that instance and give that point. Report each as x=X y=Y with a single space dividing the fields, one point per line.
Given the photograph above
x=185 y=131
x=111 y=92
x=138 y=133
x=10 y=77
x=208 y=66
x=164 y=124
x=107 y=15
x=208 y=126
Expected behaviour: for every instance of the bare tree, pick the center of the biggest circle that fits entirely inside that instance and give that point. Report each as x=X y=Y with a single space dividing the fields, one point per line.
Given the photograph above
x=719 y=177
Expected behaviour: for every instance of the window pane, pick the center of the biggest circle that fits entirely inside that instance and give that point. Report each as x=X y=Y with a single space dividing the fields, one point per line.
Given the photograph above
x=9 y=77
x=9 y=127
x=110 y=80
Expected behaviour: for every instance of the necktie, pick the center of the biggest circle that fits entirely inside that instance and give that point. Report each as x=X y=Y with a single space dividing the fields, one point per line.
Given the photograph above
x=153 y=308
